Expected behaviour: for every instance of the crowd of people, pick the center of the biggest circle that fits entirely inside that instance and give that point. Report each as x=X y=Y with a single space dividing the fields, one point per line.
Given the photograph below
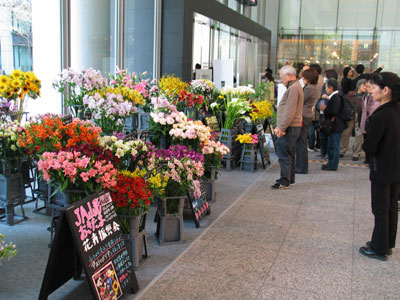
x=318 y=113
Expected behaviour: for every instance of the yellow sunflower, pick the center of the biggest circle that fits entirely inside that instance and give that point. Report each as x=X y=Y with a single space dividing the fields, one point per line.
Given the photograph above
x=16 y=83
x=30 y=76
x=3 y=87
x=25 y=89
x=17 y=73
x=4 y=80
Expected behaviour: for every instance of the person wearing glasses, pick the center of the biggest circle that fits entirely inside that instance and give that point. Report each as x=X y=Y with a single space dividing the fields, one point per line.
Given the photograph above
x=382 y=144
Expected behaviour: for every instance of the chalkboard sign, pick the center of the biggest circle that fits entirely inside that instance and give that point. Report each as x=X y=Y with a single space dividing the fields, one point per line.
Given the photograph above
x=67 y=119
x=87 y=115
x=199 y=206
x=88 y=229
x=212 y=122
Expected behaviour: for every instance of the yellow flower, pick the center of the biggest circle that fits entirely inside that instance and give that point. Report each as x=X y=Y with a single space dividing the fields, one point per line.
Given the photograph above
x=16 y=83
x=30 y=76
x=172 y=85
x=244 y=138
x=5 y=80
x=17 y=73
x=3 y=87
x=25 y=89
x=263 y=110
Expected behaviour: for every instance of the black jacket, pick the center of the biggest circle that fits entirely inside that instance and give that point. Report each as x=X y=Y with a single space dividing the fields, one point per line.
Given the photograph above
x=383 y=144
x=333 y=109
x=346 y=85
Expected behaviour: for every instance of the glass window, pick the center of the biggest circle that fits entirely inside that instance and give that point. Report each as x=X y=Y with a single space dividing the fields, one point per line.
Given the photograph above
x=317 y=13
x=201 y=41
x=289 y=16
x=92 y=35
x=139 y=36
x=233 y=4
x=388 y=14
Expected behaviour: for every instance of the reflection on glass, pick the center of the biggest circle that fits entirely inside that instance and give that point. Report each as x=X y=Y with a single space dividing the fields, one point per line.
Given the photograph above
x=92 y=35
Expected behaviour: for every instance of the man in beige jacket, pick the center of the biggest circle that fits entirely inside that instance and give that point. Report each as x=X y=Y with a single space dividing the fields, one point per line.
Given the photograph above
x=289 y=122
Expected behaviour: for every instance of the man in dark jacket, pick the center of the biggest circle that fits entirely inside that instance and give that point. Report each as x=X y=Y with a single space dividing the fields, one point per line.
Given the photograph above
x=332 y=112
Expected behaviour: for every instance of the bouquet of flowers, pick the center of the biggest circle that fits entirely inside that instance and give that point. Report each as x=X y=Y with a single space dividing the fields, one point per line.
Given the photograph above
x=47 y=133
x=213 y=153
x=239 y=92
x=201 y=87
x=7 y=109
x=78 y=85
x=190 y=134
x=17 y=87
x=182 y=171
x=6 y=250
x=73 y=170
x=131 y=154
x=188 y=99
x=236 y=108
x=136 y=82
x=171 y=85
x=247 y=138
x=162 y=117
x=10 y=151
x=111 y=106
x=131 y=196
x=261 y=110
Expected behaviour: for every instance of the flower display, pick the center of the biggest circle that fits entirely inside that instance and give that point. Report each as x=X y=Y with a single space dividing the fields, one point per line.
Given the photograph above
x=76 y=171
x=190 y=133
x=236 y=108
x=261 y=110
x=7 y=109
x=79 y=84
x=247 y=138
x=213 y=153
x=188 y=99
x=183 y=173
x=111 y=106
x=131 y=154
x=171 y=85
x=238 y=92
x=201 y=87
x=47 y=133
x=6 y=250
x=17 y=87
x=10 y=150
x=95 y=152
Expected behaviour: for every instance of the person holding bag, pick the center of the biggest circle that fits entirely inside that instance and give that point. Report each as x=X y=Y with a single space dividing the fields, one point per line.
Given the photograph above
x=333 y=125
x=382 y=144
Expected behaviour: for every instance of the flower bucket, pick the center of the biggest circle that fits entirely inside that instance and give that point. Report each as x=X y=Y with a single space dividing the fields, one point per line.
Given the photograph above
x=136 y=239
x=12 y=193
x=248 y=159
x=144 y=118
x=209 y=184
x=170 y=226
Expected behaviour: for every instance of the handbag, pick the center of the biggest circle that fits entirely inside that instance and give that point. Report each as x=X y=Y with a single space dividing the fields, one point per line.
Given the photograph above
x=326 y=126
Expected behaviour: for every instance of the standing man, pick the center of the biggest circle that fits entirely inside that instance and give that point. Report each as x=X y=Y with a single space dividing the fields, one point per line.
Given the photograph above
x=289 y=122
x=332 y=112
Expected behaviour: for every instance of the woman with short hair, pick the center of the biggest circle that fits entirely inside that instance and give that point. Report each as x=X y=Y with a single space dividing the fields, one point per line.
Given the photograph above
x=382 y=144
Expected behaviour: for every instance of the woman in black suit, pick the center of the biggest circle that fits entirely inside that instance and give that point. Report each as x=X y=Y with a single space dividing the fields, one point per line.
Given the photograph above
x=383 y=146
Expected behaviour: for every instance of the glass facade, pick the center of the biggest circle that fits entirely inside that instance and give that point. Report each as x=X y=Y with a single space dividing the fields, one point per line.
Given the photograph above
x=215 y=40
x=340 y=33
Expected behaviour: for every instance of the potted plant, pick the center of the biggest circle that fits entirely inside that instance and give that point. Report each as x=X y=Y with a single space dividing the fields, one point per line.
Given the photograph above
x=132 y=197
x=213 y=153
x=75 y=85
x=18 y=87
x=6 y=250
x=183 y=168
x=12 y=191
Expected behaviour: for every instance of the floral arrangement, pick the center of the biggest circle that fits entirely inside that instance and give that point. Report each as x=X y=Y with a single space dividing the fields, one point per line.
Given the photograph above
x=131 y=154
x=239 y=92
x=47 y=133
x=171 y=85
x=95 y=152
x=79 y=84
x=261 y=110
x=137 y=83
x=7 y=109
x=131 y=196
x=76 y=171
x=6 y=250
x=235 y=108
x=247 y=138
x=201 y=87
x=17 y=87
x=10 y=150
x=190 y=133
x=189 y=99
x=183 y=173
x=213 y=153
x=111 y=106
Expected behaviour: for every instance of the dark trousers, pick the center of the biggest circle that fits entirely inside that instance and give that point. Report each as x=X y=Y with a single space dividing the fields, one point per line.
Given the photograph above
x=384 y=204
x=287 y=155
x=313 y=135
x=323 y=142
x=334 y=149
x=301 y=148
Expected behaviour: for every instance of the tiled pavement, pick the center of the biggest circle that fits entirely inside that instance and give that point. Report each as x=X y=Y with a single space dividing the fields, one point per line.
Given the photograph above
x=301 y=243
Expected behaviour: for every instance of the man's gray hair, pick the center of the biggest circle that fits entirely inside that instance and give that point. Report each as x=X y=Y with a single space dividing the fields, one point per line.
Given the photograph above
x=360 y=82
x=288 y=70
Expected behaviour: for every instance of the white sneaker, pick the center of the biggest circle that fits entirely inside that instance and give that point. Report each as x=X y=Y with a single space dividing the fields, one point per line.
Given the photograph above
x=310 y=150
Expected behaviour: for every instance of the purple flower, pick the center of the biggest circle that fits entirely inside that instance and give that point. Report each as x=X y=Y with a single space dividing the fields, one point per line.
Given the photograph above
x=179 y=152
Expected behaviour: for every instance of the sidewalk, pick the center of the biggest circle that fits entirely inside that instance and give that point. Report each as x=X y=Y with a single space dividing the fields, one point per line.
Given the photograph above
x=300 y=243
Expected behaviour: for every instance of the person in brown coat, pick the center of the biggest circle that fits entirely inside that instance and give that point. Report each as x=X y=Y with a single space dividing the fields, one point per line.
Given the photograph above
x=289 y=122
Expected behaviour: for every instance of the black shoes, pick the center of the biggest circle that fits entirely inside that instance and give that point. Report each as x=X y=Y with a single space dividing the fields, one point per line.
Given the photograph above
x=355 y=158
x=279 y=186
x=366 y=251
x=341 y=155
x=389 y=251
x=327 y=168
